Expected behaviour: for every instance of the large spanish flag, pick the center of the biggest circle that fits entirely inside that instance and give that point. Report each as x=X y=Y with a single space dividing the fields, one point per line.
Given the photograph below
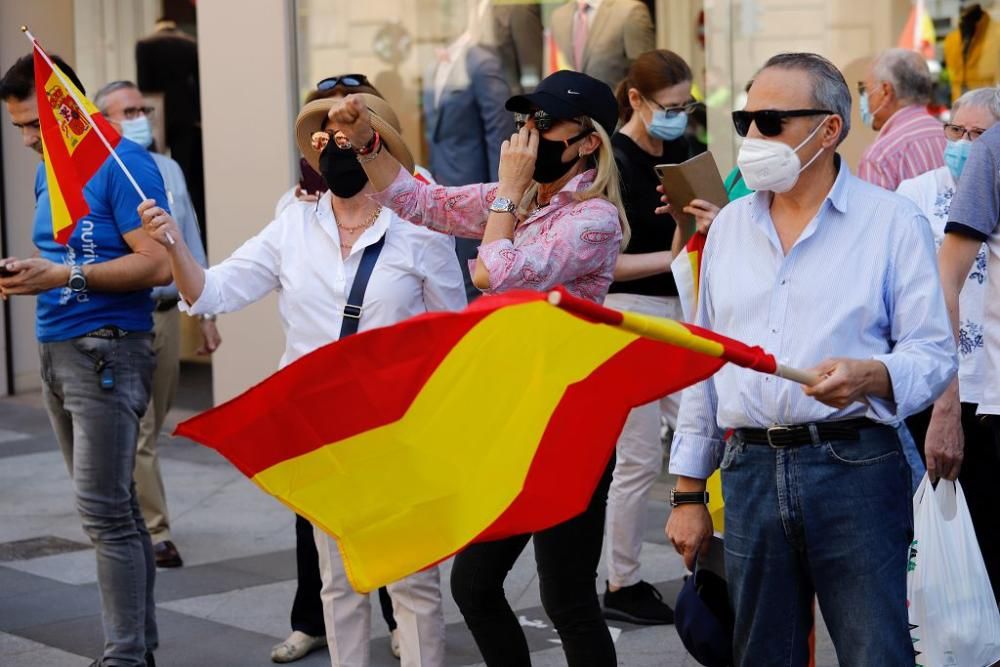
x=73 y=151
x=409 y=442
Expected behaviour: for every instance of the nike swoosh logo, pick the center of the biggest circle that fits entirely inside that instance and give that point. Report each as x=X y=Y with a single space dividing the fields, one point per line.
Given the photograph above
x=572 y=92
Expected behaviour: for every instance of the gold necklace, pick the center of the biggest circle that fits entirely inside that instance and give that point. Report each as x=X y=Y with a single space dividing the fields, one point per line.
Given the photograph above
x=365 y=225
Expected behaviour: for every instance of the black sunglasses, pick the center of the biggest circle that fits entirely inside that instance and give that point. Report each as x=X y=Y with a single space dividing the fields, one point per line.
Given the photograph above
x=349 y=80
x=543 y=121
x=770 y=122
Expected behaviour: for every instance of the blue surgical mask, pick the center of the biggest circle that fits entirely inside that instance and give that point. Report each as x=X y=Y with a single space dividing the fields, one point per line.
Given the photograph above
x=667 y=127
x=867 y=115
x=955 y=155
x=138 y=130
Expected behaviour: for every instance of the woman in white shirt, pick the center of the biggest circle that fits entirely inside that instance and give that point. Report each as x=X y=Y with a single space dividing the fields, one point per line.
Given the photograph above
x=937 y=428
x=310 y=255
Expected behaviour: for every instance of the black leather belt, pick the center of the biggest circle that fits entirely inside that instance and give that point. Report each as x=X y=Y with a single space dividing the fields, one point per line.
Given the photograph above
x=804 y=434
x=164 y=305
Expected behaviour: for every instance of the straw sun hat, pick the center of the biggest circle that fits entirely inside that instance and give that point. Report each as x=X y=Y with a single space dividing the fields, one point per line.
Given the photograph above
x=312 y=117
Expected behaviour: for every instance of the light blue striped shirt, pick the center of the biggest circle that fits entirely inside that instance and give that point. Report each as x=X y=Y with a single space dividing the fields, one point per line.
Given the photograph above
x=860 y=282
x=183 y=212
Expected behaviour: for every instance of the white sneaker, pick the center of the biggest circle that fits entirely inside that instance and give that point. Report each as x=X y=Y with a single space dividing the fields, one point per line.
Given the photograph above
x=394 y=643
x=297 y=646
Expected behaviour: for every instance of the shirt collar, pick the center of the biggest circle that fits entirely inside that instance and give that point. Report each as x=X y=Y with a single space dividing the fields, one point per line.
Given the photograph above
x=578 y=183
x=324 y=214
x=901 y=116
x=761 y=205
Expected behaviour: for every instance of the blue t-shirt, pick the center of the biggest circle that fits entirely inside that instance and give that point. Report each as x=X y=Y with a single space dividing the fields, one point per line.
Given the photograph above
x=62 y=314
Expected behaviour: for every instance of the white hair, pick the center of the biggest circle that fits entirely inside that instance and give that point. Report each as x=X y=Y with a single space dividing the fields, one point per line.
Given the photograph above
x=981 y=98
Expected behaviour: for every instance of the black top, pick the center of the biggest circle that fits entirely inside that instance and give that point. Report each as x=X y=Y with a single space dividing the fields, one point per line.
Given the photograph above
x=650 y=232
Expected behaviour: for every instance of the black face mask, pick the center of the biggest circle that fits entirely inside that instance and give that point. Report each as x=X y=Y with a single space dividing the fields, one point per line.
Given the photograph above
x=549 y=166
x=341 y=170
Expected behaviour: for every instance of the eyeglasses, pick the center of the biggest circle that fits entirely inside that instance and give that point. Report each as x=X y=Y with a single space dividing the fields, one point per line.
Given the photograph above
x=543 y=121
x=770 y=122
x=957 y=132
x=349 y=80
x=688 y=108
x=131 y=113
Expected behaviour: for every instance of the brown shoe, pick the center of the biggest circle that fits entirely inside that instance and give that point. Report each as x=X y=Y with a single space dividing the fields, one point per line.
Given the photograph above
x=167 y=554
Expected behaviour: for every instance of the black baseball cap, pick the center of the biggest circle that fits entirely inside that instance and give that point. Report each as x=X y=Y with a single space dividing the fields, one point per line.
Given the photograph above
x=568 y=94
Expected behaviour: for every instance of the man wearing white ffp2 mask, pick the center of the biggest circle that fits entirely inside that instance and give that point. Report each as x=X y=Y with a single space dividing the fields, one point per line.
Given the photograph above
x=830 y=273
x=770 y=164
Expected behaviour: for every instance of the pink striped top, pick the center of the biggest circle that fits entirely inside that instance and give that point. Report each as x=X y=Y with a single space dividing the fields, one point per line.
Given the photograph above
x=909 y=144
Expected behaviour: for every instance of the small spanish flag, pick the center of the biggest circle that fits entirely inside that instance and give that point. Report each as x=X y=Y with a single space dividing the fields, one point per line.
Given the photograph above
x=73 y=151
x=409 y=442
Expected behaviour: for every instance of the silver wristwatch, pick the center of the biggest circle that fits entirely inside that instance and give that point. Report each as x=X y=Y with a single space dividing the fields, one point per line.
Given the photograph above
x=502 y=205
x=77 y=281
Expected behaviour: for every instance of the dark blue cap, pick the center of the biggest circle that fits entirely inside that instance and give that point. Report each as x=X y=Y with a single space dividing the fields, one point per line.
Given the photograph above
x=568 y=94
x=704 y=619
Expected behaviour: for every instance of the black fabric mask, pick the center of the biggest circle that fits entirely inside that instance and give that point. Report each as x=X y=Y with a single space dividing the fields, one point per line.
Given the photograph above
x=549 y=166
x=341 y=170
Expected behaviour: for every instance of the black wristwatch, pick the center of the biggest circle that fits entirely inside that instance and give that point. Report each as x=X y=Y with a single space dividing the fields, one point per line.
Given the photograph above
x=688 y=497
x=77 y=281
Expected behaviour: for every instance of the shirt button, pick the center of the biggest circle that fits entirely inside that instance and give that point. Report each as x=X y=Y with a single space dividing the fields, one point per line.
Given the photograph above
x=774 y=331
x=783 y=282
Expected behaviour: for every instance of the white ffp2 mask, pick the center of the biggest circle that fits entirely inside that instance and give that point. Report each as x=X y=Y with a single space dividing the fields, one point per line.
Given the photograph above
x=772 y=165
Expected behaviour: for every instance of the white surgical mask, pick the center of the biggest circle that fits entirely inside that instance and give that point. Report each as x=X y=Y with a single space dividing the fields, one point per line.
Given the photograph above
x=772 y=165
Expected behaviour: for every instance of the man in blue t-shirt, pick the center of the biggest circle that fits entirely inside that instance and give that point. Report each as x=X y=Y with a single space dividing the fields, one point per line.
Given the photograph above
x=94 y=322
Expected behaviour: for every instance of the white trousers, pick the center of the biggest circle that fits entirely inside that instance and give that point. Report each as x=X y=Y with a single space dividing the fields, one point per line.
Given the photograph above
x=640 y=458
x=416 y=606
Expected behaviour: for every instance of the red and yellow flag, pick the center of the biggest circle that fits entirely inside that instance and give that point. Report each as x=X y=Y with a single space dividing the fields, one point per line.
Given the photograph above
x=918 y=33
x=407 y=443
x=72 y=150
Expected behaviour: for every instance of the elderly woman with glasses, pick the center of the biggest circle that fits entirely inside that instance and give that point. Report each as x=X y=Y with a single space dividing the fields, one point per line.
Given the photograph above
x=940 y=431
x=315 y=255
x=555 y=217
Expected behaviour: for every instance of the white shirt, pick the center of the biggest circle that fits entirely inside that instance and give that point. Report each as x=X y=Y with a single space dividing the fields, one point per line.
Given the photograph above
x=861 y=281
x=298 y=254
x=932 y=192
x=456 y=52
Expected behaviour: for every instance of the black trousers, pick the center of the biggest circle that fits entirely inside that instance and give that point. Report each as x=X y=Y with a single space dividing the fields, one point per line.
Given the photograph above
x=567 y=557
x=978 y=477
x=307 y=608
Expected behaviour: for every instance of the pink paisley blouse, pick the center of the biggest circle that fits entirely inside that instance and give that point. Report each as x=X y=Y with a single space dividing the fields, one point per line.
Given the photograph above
x=568 y=242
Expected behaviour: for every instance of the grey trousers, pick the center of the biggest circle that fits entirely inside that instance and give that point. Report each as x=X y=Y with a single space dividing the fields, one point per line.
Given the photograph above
x=96 y=391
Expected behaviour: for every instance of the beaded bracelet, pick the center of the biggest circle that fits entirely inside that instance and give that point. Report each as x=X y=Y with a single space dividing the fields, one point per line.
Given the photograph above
x=373 y=145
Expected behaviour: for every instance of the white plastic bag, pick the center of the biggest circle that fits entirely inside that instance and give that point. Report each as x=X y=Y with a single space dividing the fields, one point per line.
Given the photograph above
x=953 y=614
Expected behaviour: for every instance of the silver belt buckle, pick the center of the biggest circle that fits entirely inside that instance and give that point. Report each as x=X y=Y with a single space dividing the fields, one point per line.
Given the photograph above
x=776 y=429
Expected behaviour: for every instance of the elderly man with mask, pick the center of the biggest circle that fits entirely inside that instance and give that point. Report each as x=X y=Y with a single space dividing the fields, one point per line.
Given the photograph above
x=123 y=105
x=828 y=273
x=894 y=99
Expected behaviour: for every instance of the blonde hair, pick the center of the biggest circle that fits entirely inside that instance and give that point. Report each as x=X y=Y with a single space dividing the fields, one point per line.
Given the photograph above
x=606 y=184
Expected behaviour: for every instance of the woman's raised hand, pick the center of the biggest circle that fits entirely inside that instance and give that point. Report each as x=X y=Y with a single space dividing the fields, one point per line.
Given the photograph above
x=352 y=117
x=517 y=160
x=159 y=224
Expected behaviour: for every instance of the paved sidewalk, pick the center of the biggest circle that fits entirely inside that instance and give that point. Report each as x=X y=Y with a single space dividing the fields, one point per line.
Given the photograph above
x=230 y=602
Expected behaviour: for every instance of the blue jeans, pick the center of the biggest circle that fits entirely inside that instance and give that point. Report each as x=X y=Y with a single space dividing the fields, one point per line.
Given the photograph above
x=97 y=427
x=830 y=519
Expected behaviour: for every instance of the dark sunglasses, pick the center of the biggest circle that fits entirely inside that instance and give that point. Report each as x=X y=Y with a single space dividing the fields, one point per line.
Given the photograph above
x=543 y=121
x=349 y=80
x=770 y=122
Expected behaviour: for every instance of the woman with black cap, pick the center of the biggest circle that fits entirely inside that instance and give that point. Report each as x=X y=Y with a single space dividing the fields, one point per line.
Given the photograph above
x=317 y=255
x=555 y=217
